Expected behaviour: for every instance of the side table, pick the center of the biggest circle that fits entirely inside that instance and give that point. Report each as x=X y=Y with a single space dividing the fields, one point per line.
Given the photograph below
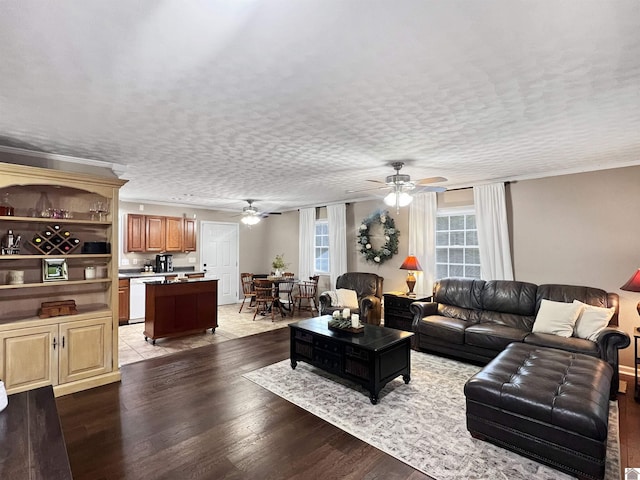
x=396 y=309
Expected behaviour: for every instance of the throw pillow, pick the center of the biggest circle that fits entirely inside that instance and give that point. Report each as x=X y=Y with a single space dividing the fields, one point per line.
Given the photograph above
x=592 y=321
x=557 y=318
x=347 y=298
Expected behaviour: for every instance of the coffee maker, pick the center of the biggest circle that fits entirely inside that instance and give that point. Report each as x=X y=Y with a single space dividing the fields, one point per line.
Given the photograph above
x=164 y=263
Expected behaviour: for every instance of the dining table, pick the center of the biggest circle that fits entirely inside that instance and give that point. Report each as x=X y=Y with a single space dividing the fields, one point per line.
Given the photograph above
x=277 y=281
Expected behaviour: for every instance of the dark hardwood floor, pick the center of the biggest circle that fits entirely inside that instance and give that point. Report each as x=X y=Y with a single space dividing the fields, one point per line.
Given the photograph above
x=192 y=415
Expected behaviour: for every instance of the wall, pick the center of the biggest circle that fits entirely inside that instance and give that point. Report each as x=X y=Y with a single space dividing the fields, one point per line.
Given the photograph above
x=579 y=229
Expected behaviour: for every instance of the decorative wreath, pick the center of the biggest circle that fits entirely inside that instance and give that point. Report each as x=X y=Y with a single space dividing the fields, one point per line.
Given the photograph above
x=389 y=249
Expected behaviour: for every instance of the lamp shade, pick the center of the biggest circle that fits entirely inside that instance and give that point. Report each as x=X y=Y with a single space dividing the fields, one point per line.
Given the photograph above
x=633 y=284
x=411 y=263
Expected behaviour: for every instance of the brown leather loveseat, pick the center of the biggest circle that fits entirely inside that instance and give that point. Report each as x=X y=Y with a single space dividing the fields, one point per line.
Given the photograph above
x=477 y=319
x=368 y=288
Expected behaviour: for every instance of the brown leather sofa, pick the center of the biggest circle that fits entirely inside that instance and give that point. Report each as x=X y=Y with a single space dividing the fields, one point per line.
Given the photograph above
x=477 y=319
x=368 y=288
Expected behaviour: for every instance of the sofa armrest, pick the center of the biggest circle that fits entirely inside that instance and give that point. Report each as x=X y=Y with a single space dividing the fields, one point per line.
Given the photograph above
x=370 y=302
x=423 y=309
x=325 y=301
x=610 y=341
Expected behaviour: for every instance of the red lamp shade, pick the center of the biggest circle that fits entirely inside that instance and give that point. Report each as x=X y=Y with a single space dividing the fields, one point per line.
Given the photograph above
x=633 y=285
x=412 y=264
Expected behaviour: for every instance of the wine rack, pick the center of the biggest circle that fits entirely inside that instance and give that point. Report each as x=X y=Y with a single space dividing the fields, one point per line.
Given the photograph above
x=54 y=240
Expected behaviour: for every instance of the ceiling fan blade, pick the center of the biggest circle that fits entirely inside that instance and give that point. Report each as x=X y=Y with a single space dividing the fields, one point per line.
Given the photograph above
x=426 y=181
x=377 y=181
x=368 y=189
x=422 y=189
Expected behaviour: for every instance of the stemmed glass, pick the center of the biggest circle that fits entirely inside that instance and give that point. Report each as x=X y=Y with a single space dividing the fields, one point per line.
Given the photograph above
x=99 y=208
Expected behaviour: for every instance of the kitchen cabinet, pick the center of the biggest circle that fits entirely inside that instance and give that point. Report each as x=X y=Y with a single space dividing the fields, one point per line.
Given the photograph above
x=123 y=301
x=189 y=229
x=136 y=230
x=75 y=350
x=155 y=230
x=173 y=234
x=158 y=234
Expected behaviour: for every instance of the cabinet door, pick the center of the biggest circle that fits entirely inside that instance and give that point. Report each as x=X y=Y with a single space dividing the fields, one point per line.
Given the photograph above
x=86 y=349
x=155 y=233
x=189 y=244
x=173 y=239
x=28 y=358
x=135 y=233
x=123 y=301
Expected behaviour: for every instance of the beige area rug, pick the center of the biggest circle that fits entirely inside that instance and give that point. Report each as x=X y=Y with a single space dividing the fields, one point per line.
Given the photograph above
x=422 y=424
x=231 y=324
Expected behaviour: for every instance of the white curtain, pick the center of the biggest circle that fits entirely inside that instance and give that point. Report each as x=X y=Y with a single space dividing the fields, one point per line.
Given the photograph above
x=493 y=232
x=337 y=215
x=306 y=243
x=422 y=238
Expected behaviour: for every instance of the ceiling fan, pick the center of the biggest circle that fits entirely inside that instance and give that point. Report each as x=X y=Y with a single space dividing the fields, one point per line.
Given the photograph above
x=401 y=186
x=251 y=215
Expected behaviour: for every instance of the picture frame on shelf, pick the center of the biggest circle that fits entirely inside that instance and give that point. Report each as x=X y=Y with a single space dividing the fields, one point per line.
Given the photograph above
x=54 y=270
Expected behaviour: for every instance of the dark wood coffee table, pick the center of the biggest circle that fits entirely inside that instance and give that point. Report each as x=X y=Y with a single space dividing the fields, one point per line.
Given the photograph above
x=371 y=358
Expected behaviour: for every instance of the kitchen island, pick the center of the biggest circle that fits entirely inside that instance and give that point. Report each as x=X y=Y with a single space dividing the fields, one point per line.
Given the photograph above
x=178 y=308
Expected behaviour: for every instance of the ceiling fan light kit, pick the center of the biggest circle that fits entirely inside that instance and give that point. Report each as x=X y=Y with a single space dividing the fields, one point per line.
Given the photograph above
x=250 y=219
x=401 y=187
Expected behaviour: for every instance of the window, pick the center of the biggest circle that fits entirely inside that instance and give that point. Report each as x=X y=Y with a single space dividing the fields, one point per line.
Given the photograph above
x=321 y=250
x=457 y=252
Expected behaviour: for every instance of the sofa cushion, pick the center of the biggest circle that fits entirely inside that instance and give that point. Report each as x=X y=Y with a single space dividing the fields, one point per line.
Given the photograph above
x=462 y=292
x=510 y=297
x=558 y=318
x=443 y=328
x=571 y=344
x=592 y=321
x=493 y=335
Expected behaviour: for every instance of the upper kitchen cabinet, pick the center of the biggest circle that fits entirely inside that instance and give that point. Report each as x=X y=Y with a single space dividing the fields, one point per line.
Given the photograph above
x=189 y=243
x=155 y=233
x=136 y=233
x=55 y=317
x=174 y=234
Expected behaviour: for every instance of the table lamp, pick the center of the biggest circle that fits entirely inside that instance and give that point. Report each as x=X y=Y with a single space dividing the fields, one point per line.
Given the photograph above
x=633 y=285
x=412 y=264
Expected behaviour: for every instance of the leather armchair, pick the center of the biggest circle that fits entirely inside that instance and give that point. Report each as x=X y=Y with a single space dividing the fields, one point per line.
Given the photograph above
x=368 y=288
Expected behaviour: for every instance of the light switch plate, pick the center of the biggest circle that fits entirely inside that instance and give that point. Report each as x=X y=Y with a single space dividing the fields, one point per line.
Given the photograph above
x=192 y=259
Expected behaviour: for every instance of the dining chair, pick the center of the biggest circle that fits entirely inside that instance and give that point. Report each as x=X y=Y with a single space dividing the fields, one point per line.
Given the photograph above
x=248 y=289
x=266 y=301
x=286 y=288
x=307 y=291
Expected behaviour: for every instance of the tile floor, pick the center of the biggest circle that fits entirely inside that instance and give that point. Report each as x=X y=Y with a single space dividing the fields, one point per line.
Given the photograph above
x=132 y=347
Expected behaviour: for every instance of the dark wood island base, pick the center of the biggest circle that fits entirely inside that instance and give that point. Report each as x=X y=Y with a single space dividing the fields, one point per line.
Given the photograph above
x=175 y=309
x=371 y=359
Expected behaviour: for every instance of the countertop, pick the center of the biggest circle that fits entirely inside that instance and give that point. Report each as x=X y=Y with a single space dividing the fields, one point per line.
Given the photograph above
x=182 y=282
x=139 y=274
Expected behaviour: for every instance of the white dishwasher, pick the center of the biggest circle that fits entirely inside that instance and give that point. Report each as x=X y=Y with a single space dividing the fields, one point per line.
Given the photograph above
x=137 y=295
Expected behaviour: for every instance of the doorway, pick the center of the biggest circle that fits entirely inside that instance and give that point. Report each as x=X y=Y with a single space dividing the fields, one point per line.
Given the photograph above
x=219 y=258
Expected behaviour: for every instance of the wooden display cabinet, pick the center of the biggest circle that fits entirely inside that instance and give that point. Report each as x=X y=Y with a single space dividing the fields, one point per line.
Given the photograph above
x=71 y=352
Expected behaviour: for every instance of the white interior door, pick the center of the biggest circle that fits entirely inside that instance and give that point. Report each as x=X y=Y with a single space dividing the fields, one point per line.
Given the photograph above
x=219 y=258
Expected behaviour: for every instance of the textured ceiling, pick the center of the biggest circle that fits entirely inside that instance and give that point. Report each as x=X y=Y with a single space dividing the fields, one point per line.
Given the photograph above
x=294 y=102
